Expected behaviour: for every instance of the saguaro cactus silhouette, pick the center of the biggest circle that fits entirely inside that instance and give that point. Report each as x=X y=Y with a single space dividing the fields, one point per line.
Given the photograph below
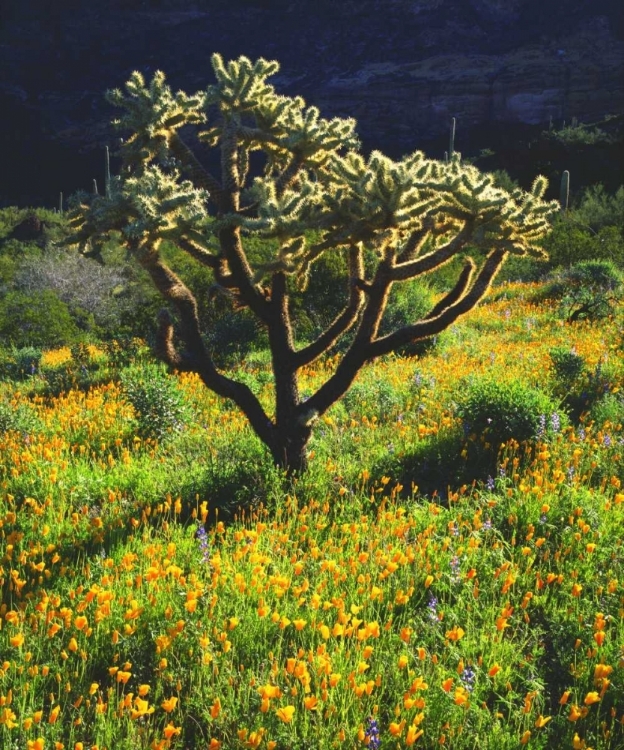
x=564 y=192
x=411 y=216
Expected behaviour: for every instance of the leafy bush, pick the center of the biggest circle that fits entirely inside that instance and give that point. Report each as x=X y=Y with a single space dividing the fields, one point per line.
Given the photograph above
x=21 y=363
x=407 y=304
x=231 y=335
x=571 y=242
x=504 y=180
x=588 y=290
x=567 y=364
x=598 y=210
x=157 y=400
x=124 y=352
x=86 y=287
x=518 y=269
x=592 y=230
x=372 y=398
x=42 y=321
x=16 y=416
x=578 y=134
x=608 y=408
x=497 y=411
x=324 y=297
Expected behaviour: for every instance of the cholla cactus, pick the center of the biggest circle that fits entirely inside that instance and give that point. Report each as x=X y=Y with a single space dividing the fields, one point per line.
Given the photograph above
x=415 y=214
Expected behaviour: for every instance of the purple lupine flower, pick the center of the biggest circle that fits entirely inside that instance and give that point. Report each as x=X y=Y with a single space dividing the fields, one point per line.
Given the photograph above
x=542 y=426
x=606 y=441
x=490 y=483
x=570 y=473
x=455 y=565
x=372 y=734
x=432 y=606
x=487 y=524
x=203 y=542
x=468 y=678
x=555 y=422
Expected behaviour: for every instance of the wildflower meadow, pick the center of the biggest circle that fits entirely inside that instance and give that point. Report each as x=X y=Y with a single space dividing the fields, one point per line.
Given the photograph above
x=433 y=580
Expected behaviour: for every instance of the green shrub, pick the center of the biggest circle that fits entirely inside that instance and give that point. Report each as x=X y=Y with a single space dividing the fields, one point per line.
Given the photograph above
x=123 y=352
x=567 y=364
x=157 y=400
x=598 y=210
x=324 y=298
x=608 y=408
x=94 y=294
x=592 y=230
x=571 y=242
x=21 y=363
x=504 y=180
x=497 y=411
x=371 y=397
x=407 y=304
x=589 y=290
x=578 y=134
x=16 y=416
x=41 y=321
x=231 y=334
x=521 y=268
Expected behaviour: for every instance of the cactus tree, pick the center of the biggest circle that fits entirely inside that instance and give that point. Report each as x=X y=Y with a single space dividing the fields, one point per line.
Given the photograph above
x=411 y=216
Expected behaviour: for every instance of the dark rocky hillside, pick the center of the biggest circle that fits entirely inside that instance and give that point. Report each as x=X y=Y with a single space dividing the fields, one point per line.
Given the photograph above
x=403 y=68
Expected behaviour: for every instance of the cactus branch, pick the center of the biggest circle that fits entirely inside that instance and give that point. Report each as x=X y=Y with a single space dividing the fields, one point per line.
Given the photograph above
x=430 y=326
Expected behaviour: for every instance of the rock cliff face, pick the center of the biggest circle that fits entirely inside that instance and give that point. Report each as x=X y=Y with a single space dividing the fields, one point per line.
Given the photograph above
x=403 y=68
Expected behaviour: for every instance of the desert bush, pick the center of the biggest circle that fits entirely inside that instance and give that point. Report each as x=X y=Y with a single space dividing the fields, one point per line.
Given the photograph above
x=21 y=363
x=16 y=416
x=504 y=180
x=571 y=242
x=597 y=209
x=42 y=320
x=497 y=411
x=608 y=408
x=86 y=287
x=592 y=230
x=157 y=400
x=231 y=335
x=372 y=398
x=589 y=290
x=578 y=134
x=568 y=365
